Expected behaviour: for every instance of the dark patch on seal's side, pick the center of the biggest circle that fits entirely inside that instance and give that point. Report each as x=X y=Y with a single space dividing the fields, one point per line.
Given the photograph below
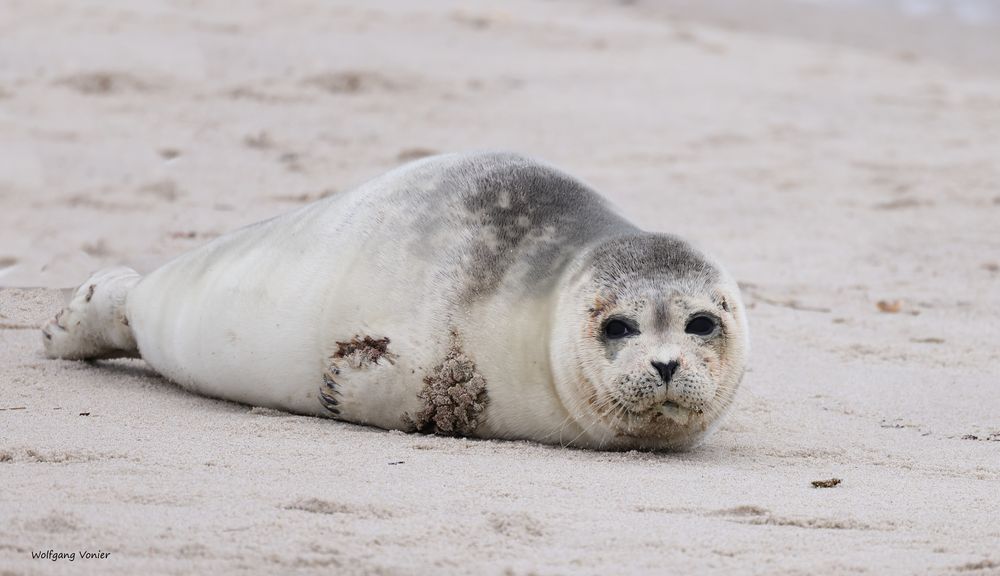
x=454 y=396
x=526 y=211
x=364 y=351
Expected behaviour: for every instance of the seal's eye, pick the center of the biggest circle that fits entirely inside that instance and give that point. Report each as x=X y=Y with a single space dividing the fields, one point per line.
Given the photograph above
x=616 y=329
x=701 y=326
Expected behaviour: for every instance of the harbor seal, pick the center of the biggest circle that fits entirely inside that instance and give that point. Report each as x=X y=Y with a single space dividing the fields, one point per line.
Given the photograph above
x=486 y=295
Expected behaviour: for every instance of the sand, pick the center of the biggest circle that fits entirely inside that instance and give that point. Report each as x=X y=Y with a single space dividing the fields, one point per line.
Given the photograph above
x=830 y=175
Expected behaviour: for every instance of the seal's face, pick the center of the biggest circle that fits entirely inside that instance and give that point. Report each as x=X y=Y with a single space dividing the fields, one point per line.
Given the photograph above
x=657 y=361
x=660 y=345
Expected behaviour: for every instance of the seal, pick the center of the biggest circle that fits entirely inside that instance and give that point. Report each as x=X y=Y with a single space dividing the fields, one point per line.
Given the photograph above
x=486 y=295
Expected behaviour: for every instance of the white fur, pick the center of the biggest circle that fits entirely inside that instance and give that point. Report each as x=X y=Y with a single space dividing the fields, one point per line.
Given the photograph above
x=93 y=323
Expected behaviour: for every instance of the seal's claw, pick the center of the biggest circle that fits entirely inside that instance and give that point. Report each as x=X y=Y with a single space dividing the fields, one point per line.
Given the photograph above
x=326 y=397
x=330 y=383
x=328 y=392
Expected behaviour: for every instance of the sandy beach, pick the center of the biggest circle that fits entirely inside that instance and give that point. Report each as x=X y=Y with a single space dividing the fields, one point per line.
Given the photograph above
x=851 y=186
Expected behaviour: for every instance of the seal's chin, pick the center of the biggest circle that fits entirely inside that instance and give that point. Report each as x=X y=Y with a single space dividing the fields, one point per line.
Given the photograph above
x=664 y=422
x=677 y=413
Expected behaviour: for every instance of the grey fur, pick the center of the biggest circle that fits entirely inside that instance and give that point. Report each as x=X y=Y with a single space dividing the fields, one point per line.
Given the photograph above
x=650 y=257
x=533 y=212
x=491 y=211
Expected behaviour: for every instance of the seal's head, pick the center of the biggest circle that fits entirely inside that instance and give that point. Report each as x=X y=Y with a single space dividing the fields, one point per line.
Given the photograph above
x=657 y=341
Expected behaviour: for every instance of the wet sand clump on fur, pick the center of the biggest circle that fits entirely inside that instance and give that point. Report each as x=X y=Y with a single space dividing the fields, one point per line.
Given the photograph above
x=454 y=396
x=364 y=351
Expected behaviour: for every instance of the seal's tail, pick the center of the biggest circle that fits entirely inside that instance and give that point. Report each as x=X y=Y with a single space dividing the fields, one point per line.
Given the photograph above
x=94 y=324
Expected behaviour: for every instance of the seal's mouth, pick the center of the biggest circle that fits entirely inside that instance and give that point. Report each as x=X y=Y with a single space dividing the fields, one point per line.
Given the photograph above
x=677 y=413
x=666 y=422
x=669 y=410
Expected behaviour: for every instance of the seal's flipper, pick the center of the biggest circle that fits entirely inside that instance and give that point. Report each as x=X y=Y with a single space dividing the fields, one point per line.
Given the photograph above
x=94 y=324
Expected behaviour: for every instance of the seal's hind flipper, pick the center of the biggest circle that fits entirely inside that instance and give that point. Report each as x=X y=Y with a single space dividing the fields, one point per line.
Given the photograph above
x=94 y=325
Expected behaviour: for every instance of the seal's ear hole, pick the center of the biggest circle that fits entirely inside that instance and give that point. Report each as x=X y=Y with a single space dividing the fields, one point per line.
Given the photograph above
x=617 y=328
x=725 y=304
x=701 y=325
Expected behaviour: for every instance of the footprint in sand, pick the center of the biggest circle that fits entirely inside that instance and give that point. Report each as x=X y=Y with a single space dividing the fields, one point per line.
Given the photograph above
x=104 y=83
x=352 y=82
x=320 y=506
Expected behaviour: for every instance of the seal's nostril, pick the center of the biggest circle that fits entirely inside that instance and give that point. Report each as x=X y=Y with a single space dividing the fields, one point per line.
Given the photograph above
x=666 y=371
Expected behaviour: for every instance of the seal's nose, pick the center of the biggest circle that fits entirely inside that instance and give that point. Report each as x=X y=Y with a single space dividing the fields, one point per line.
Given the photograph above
x=666 y=371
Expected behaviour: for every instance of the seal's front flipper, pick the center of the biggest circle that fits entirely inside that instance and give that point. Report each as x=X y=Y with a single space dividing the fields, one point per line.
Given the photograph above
x=94 y=325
